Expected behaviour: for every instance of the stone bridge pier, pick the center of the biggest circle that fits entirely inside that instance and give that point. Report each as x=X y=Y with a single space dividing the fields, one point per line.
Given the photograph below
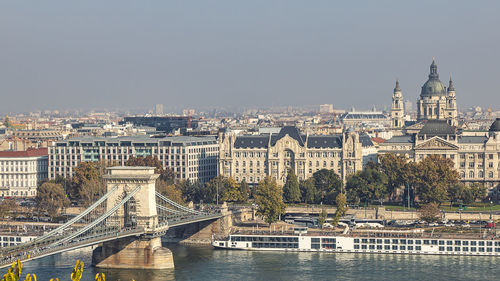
x=139 y=211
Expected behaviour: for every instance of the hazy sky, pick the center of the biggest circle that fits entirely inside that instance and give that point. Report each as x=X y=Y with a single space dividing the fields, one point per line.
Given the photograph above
x=133 y=54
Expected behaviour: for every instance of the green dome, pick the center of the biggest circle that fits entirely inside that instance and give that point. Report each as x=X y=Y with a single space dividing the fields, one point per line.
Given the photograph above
x=495 y=127
x=433 y=86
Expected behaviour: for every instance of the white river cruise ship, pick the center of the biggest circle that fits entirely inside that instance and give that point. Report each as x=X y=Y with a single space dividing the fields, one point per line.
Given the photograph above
x=380 y=242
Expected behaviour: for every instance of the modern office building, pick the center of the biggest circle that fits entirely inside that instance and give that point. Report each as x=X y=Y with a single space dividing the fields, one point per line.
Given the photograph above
x=21 y=171
x=253 y=157
x=191 y=158
x=165 y=124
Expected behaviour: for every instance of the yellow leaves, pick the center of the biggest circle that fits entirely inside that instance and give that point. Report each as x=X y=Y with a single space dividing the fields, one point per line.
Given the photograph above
x=100 y=277
x=14 y=272
x=30 y=277
x=76 y=275
x=52 y=279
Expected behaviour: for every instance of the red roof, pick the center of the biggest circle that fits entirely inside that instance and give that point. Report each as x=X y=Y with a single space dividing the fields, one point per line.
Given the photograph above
x=378 y=140
x=28 y=153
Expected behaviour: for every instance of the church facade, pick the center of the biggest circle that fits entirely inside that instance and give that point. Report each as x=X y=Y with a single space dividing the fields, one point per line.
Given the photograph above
x=476 y=157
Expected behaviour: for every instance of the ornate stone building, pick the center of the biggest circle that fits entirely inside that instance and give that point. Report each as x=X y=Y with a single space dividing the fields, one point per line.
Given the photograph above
x=476 y=158
x=397 y=109
x=436 y=102
x=253 y=157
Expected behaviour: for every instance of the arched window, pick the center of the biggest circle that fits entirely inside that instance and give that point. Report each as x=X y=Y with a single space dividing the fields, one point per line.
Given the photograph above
x=481 y=174
x=471 y=174
x=490 y=174
x=462 y=175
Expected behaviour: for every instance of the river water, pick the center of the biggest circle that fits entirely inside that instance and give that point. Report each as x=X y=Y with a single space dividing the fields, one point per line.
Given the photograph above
x=205 y=263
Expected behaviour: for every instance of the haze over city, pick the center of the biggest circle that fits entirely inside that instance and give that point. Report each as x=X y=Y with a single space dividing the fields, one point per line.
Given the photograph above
x=132 y=54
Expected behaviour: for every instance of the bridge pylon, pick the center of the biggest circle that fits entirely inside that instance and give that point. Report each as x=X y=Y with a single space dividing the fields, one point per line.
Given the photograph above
x=140 y=211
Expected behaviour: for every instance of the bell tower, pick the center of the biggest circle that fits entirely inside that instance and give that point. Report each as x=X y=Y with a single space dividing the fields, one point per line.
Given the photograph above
x=451 y=105
x=397 y=110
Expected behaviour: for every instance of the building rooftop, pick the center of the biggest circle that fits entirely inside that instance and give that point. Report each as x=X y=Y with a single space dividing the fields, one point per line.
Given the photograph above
x=437 y=128
x=26 y=153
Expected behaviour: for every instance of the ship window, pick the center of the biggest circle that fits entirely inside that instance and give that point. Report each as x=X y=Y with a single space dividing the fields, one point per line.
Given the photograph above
x=372 y=241
x=410 y=242
x=489 y=243
x=356 y=240
x=418 y=248
x=497 y=250
x=394 y=241
x=402 y=241
x=434 y=242
x=387 y=241
x=364 y=240
x=473 y=249
x=410 y=248
x=481 y=243
x=387 y=247
x=465 y=243
x=449 y=242
x=402 y=248
x=315 y=246
x=363 y=247
x=458 y=242
x=473 y=243
x=481 y=249
x=465 y=249
x=418 y=242
x=457 y=249
x=379 y=241
x=314 y=240
x=489 y=250
x=441 y=242
x=449 y=249
x=394 y=247
x=372 y=247
x=441 y=248
x=426 y=242
x=379 y=247
x=356 y=247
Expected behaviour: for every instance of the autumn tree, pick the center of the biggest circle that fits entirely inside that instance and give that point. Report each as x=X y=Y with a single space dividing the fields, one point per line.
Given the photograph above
x=461 y=192
x=341 y=202
x=479 y=191
x=396 y=168
x=367 y=185
x=327 y=184
x=433 y=177
x=87 y=182
x=245 y=191
x=166 y=174
x=323 y=215
x=269 y=198
x=171 y=191
x=308 y=191
x=232 y=192
x=291 y=190
x=430 y=212
x=51 y=198
x=8 y=207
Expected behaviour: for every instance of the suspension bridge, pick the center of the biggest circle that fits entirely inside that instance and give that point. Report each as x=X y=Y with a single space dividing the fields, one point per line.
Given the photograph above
x=131 y=215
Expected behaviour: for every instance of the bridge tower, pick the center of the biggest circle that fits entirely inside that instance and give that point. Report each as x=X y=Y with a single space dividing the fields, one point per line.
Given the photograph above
x=144 y=252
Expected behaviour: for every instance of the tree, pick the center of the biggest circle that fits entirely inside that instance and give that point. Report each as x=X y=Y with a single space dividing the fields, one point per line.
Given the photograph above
x=341 y=202
x=479 y=191
x=171 y=191
x=166 y=174
x=461 y=192
x=291 y=190
x=87 y=183
x=232 y=191
x=396 y=168
x=51 y=198
x=6 y=122
x=8 y=206
x=433 y=177
x=430 y=212
x=322 y=217
x=367 y=185
x=328 y=184
x=269 y=198
x=308 y=191
x=245 y=191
